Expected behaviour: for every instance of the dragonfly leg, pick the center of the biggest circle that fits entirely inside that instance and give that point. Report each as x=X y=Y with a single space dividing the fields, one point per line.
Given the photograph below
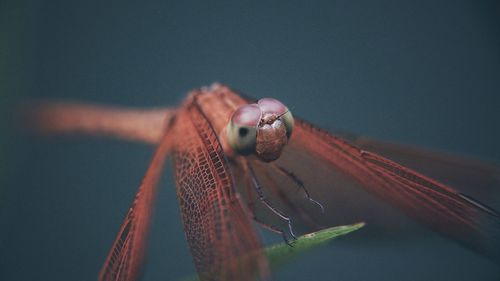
x=298 y=182
x=251 y=206
x=275 y=189
x=273 y=229
x=265 y=201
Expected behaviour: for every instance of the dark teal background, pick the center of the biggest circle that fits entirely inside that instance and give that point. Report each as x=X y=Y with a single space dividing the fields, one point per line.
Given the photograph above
x=420 y=72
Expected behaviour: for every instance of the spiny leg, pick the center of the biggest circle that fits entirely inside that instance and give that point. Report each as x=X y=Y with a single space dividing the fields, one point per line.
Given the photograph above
x=251 y=205
x=297 y=182
x=263 y=199
x=274 y=188
x=273 y=229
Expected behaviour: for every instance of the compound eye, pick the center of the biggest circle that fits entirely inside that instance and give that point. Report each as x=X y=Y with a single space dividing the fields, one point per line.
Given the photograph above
x=270 y=105
x=274 y=106
x=242 y=129
x=247 y=115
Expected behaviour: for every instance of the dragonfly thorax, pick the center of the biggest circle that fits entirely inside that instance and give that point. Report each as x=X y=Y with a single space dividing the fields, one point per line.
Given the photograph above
x=262 y=129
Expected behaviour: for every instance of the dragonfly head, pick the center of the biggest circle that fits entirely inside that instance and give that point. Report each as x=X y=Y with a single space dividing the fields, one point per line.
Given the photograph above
x=262 y=129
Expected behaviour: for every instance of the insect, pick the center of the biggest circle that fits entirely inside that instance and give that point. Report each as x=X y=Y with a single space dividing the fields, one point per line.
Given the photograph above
x=239 y=161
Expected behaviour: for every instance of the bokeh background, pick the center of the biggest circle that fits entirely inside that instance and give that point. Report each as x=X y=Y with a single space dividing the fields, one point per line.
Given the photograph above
x=420 y=72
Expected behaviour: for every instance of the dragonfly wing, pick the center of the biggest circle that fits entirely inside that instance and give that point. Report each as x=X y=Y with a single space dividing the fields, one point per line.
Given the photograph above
x=473 y=177
x=126 y=256
x=348 y=180
x=219 y=230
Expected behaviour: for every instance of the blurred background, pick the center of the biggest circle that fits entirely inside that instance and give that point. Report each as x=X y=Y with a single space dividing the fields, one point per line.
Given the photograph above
x=419 y=72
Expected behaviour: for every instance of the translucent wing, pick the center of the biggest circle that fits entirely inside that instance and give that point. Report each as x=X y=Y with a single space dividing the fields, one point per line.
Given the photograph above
x=478 y=179
x=340 y=174
x=349 y=181
x=127 y=253
x=223 y=243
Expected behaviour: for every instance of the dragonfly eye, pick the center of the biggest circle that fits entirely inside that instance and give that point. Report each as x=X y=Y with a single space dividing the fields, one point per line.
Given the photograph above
x=242 y=129
x=262 y=129
x=274 y=106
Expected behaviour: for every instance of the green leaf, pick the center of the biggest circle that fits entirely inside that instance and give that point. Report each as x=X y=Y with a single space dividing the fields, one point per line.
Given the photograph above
x=280 y=254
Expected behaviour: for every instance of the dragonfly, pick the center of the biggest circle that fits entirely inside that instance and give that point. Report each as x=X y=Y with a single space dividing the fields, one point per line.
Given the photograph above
x=241 y=162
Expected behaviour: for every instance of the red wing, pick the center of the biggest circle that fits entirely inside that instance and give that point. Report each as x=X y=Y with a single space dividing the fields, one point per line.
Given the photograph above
x=345 y=178
x=220 y=234
x=473 y=177
x=126 y=256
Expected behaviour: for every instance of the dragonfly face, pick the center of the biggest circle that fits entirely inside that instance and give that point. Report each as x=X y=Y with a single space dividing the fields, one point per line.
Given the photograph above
x=262 y=129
